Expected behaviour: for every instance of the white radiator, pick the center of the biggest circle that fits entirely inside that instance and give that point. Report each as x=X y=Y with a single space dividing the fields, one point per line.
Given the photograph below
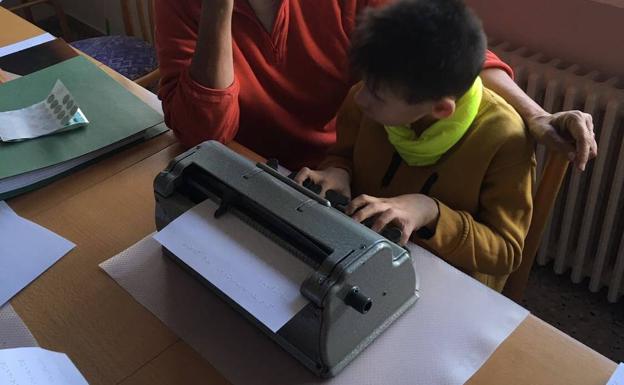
x=586 y=230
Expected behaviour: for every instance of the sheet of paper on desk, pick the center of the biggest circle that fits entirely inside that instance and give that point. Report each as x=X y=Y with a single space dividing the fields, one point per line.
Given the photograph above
x=58 y=112
x=618 y=376
x=252 y=270
x=36 y=366
x=25 y=44
x=26 y=251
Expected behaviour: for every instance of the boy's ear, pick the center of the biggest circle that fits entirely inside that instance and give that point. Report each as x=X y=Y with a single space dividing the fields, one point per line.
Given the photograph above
x=443 y=108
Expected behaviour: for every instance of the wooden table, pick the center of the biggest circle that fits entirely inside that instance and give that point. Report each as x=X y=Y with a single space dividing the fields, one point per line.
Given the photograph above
x=77 y=309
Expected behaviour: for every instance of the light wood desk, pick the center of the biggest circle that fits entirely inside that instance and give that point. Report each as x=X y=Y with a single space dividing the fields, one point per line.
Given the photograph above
x=105 y=208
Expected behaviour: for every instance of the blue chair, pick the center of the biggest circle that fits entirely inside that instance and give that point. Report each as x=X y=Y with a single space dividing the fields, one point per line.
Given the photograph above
x=133 y=57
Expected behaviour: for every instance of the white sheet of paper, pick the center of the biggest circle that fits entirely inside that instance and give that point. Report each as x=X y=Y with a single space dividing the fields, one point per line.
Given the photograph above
x=26 y=251
x=58 y=112
x=252 y=270
x=25 y=44
x=36 y=366
x=618 y=376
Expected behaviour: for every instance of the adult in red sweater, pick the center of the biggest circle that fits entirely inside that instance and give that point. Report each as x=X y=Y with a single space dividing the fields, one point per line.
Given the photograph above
x=273 y=73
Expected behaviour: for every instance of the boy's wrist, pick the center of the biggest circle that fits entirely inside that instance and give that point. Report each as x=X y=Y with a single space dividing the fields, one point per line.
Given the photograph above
x=433 y=213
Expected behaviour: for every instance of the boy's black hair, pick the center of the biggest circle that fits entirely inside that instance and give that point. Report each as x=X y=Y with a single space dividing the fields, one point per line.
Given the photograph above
x=421 y=49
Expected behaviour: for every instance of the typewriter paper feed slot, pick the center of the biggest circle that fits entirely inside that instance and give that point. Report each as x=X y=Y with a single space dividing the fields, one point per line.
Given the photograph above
x=200 y=185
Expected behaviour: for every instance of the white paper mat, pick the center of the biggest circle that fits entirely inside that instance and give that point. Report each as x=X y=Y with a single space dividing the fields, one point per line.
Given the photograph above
x=13 y=332
x=444 y=339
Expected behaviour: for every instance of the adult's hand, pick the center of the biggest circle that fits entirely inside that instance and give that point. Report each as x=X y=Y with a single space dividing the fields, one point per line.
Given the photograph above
x=570 y=132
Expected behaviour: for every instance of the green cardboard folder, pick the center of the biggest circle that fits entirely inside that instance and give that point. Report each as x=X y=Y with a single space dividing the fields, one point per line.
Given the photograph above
x=116 y=118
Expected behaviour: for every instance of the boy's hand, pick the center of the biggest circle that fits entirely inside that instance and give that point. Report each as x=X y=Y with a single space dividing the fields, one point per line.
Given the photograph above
x=332 y=178
x=408 y=212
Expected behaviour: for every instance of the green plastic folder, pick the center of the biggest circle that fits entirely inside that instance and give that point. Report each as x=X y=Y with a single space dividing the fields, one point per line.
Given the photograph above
x=116 y=116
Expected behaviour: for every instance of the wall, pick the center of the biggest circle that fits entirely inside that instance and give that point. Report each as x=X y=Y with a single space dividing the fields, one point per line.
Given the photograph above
x=587 y=32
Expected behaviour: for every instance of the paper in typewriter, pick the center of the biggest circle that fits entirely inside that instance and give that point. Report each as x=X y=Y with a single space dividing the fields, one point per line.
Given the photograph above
x=255 y=272
x=58 y=112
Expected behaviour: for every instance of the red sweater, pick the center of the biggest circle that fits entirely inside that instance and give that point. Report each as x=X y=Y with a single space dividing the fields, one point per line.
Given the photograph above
x=288 y=83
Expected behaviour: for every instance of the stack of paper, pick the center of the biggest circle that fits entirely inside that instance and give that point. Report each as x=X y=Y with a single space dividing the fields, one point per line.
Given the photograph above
x=116 y=118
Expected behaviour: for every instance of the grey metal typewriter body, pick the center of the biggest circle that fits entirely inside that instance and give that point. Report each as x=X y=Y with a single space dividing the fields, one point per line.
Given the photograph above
x=361 y=282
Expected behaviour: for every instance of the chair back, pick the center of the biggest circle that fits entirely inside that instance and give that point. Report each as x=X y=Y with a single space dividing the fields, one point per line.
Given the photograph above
x=138 y=18
x=543 y=202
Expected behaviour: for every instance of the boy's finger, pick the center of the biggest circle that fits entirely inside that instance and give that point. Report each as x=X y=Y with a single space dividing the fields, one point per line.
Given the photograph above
x=356 y=204
x=302 y=175
x=383 y=219
x=366 y=212
x=405 y=235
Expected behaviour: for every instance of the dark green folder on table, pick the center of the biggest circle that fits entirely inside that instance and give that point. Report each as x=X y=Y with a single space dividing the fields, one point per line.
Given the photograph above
x=116 y=116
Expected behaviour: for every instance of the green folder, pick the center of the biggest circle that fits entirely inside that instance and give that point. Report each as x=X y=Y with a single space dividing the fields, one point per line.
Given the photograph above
x=116 y=118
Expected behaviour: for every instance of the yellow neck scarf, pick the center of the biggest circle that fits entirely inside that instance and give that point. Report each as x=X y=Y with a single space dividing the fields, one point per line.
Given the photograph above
x=436 y=140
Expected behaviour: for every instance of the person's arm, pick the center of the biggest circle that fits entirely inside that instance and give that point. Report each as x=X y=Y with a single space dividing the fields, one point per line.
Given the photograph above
x=570 y=132
x=213 y=64
x=199 y=90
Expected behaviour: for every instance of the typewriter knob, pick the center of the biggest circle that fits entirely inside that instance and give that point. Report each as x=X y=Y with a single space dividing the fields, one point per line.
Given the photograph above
x=358 y=301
